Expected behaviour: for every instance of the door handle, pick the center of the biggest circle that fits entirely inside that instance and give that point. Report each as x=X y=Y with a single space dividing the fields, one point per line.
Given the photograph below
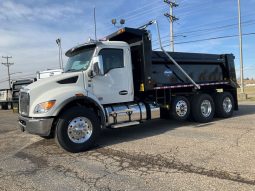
x=123 y=92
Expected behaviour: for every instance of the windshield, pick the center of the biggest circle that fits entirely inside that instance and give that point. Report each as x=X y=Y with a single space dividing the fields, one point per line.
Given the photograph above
x=79 y=60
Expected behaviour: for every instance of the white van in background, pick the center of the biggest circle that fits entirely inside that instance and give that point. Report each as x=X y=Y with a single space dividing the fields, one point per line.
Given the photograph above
x=48 y=73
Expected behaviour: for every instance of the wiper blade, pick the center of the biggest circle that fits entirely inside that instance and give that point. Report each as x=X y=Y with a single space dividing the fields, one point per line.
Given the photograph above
x=71 y=70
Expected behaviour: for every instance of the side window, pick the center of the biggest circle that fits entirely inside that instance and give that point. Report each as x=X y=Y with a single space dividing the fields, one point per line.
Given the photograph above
x=112 y=58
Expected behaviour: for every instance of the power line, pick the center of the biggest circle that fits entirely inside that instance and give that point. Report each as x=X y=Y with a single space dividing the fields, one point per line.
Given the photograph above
x=25 y=77
x=159 y=7
x=133 y=14
x=215 y=38
x=188 y=8
x=19 y=76
x=3 y=81
x=217 y=30
x=219 y=27
x=206 y=39
x=137 y=10
x=212 y=28
x=221 y=20
x=191 y=11
x=138 y=15
x=165 y=41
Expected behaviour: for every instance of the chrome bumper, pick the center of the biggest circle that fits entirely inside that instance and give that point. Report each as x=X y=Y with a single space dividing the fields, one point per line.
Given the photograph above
x=37 y=126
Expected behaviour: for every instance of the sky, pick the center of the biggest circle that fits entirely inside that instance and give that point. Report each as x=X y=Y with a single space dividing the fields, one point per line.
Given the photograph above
x=29 y=29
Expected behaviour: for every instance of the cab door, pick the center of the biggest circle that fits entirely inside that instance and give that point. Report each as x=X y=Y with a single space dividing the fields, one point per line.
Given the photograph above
x=116 y=85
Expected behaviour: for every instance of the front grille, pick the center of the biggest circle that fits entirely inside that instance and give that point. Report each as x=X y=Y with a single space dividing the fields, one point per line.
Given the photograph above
x=24 y=103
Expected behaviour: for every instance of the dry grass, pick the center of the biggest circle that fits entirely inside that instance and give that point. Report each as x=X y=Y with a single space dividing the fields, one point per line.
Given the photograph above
x=251 y=98
x=250 y=91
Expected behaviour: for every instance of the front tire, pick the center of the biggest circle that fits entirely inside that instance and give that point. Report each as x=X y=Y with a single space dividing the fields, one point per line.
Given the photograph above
x=202 y=108
x=180 y=108
x=77 y=129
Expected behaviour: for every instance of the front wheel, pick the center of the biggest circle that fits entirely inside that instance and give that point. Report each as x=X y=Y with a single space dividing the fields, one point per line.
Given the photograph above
x=77 y=129
x=202 y=108
x=180 y=108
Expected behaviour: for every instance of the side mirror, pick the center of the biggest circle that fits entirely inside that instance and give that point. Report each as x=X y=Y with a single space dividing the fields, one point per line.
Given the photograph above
x=98 y=66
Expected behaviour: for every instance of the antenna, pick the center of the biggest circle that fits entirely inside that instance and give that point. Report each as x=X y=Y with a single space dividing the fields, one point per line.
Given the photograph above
x=95 y=23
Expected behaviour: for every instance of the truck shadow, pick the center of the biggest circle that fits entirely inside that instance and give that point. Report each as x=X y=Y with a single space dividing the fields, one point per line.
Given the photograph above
x=245 y=110
x=148 y=129
x=144 y=130
x=157 y=127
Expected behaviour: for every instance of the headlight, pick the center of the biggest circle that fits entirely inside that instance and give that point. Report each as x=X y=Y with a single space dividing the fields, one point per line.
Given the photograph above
x=44 y=107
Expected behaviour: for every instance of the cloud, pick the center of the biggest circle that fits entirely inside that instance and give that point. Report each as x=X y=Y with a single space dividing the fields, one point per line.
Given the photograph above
x=17 y=11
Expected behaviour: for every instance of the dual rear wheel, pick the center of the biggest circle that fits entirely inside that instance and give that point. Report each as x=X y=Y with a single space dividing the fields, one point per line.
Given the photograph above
x=202 y=107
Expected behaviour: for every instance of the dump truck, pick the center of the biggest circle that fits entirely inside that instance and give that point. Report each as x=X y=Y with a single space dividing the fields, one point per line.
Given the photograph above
x=120 y=81
x=16 y=86
x=5 y=99
x=9 y=98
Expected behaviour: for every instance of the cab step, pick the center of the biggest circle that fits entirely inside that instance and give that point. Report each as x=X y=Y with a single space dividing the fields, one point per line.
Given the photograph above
x=116 y=126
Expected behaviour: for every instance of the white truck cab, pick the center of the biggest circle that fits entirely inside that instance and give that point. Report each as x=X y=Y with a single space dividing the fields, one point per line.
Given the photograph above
x=101 y=71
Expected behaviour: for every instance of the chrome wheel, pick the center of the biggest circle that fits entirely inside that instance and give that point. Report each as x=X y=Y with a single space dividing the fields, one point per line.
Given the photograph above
x=206 y=108
x=181 y=108
x=227 y=105
x=79 y=129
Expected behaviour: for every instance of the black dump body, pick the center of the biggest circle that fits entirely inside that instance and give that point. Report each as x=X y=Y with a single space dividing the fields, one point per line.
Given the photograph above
x=202 y=68
x=154 y=69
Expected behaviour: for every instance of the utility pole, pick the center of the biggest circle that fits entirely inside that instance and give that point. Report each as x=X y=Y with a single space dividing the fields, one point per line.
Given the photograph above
x=7 y=64
x=172 y=18
x=240 y=46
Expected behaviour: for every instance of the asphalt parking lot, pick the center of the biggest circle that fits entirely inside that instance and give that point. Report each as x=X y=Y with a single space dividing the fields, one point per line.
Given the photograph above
x=157 y=155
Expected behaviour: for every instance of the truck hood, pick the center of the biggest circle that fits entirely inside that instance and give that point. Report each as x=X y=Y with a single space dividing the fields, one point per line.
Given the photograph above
x=53 y=80
x=57 y=88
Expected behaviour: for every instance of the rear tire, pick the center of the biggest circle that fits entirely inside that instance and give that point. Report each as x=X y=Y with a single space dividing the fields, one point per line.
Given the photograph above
x=77 y=129
x=9 y=106
x=3 y=106
x=202 y=108
x=180 y=108
x=224 y=104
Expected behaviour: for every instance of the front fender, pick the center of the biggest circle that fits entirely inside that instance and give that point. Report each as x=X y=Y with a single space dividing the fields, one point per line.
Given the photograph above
x=60 y=94
x=89 y=99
